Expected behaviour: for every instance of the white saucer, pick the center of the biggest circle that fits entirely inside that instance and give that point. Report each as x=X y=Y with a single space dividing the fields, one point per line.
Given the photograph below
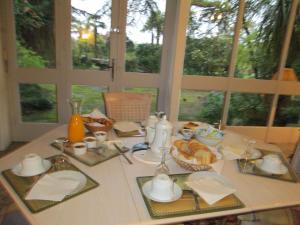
x=281 y=170
x=71 y=175
x=17 y=170
x=148 y=157
x=147 y=192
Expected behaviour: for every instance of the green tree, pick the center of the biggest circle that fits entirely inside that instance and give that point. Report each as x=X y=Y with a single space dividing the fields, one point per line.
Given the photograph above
x=148 y=58
x=155 y=25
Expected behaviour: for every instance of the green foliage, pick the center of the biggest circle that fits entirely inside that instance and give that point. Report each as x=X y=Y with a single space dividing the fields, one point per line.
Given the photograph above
x=288 y=111
x=207 y=56
x=148 y=58
x=28 y=58
x=249 y=109
x=35 y=97
x=212 y=108
x=34 y=21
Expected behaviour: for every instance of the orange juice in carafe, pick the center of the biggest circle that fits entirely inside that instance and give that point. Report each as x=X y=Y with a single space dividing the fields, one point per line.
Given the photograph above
x=76 y=127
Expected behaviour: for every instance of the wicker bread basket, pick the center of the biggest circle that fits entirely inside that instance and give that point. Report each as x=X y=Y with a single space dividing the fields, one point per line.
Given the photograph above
x=107 y=124
x=189 y=166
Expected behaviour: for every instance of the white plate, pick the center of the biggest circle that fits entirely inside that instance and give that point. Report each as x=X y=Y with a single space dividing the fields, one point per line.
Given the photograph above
x=148 y=157
x=72 y=175
x=281 y=170
x=147 y=192
x=17 y=170
x=207 y=175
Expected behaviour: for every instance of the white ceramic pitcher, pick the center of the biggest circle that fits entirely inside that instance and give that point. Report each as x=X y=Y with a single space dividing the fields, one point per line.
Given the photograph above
x=163 y=134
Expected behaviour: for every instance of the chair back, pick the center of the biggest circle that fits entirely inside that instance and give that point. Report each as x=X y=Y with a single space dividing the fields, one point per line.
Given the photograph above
x=296 y=160
x=127 y=106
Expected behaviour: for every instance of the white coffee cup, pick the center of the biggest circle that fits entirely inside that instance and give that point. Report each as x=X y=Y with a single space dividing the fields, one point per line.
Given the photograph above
x=162 y=187
x=271 y=162
x=100 y=136
x=187 y=134
x=90 y=142
x=32 y=164
x=80 y=148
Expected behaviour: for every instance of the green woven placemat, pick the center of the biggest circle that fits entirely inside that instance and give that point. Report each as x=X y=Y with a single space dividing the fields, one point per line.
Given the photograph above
x=186 y=204
x=22 y=185
x=91 y=157
x=248 y=167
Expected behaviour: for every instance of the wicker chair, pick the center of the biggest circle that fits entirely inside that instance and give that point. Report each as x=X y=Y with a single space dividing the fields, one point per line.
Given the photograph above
x=295 y=163
x=127 y=106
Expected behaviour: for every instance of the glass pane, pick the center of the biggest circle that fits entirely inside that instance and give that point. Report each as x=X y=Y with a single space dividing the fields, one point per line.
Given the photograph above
x=152 y=91
x=204 y=106
x=288 y=111
x=261 y=38
x=249 y=109
x=35 y=30
x=90 y=33
x=38 y=103
x=209 y=37
x=90 y=96
x=144 y=35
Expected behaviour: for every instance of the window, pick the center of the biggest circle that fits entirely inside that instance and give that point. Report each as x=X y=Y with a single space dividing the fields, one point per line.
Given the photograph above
x=209 y=37
x=144 y=35
x=288 y=111
x=90 y=96
x=90 y=33
x=35 y=17
x=205 y=106
x=261 y=39
x=249 y=109
x=38 y=103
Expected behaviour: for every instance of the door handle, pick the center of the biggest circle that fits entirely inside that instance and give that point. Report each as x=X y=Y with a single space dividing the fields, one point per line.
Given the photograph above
x=112 y=69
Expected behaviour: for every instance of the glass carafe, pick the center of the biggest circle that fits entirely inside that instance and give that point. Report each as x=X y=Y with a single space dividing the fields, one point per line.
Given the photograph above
x=76 y=127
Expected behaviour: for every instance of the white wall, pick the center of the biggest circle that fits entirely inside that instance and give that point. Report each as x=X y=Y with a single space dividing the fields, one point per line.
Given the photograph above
x=4 y=114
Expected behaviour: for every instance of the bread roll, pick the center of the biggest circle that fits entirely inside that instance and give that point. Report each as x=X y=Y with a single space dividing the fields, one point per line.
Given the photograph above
x=190 y=125
x=195 y=150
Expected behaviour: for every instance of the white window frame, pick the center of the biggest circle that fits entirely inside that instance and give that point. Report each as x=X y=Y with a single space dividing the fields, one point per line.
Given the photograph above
x=169 y=81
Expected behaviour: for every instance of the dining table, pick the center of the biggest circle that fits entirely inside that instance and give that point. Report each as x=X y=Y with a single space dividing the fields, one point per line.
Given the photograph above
x=118 y=200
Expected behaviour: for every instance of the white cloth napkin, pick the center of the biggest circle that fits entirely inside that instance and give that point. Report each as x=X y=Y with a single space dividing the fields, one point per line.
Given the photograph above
x=51 y=188
x=232 y=152
x=210 y=190
x=218 y=166
x=126 y=126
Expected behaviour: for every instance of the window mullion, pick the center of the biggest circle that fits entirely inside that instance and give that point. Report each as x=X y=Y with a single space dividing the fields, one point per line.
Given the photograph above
x=233 y=59
x=63 y=57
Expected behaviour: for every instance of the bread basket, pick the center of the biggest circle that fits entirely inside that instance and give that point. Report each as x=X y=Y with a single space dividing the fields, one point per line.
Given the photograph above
x=107 y=124
x=187 y=165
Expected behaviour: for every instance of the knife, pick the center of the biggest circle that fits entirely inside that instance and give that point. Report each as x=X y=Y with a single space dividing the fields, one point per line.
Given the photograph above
x=122 y=153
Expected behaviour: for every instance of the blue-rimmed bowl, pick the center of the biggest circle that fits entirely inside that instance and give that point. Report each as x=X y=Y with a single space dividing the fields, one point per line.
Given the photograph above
x=209 y=135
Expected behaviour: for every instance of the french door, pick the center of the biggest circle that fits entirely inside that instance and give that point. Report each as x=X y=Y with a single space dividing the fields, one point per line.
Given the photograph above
x=74 y=48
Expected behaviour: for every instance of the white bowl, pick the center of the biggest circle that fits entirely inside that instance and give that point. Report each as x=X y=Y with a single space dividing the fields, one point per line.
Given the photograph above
x=209 y=136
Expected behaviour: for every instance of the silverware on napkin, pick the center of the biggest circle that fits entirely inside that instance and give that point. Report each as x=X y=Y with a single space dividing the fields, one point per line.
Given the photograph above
x=122 y=153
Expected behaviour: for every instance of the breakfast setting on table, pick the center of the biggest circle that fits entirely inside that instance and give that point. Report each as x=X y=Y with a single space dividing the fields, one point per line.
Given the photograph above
x=199 y=149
